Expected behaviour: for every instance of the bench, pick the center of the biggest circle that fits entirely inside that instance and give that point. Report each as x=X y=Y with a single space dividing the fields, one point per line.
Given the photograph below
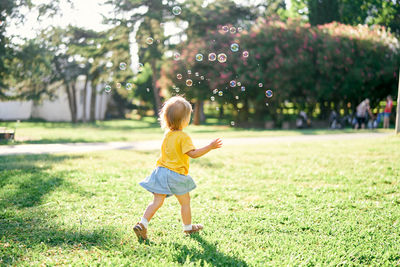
x=7 y=134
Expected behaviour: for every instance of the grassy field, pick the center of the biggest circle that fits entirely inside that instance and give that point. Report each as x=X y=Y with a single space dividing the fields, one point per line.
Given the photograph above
x=320 y=203
x=133 y=130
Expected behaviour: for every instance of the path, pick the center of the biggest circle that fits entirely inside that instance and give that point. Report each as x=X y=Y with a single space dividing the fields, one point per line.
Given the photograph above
x=155 y=144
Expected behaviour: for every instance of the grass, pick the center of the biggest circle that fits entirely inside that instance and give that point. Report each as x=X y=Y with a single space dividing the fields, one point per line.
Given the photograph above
x=31 y=132
x=301 y=203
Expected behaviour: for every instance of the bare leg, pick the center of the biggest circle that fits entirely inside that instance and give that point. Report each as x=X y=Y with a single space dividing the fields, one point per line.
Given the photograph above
x=154 y=206
x=186 y=213
x=386 y=122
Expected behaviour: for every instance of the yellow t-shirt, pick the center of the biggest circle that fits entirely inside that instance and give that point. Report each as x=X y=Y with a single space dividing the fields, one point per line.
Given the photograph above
x=173 y=152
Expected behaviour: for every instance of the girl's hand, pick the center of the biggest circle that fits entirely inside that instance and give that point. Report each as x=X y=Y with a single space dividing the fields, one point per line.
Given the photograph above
x=217 y=143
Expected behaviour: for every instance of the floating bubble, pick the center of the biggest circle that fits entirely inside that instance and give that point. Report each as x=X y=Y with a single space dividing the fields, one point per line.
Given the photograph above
x=107 y=88
x=148 y=90
x=243 y=88
x=260 y=85
x=232 y=83
x=225 y=28
x=118 y=85
x=122 y=66
x=245 y=54
x=220 y=93
x=232 y=30
x=140 y=67
x=199 y=57
x=212 y=98
x=176 y=10
x=149 y=40
x=239 y=83
x=202 y=77
x=234 y=47
x=196 y=74
x=215 y=91
x=212 y=57
x=269 y=93
x=179 y=76
x=128 y=86
x=232 y=123
x=177 y=56
x=189 y=82
x=222 y=58
x=237 y=97
x=267 y=104
x=189 y=72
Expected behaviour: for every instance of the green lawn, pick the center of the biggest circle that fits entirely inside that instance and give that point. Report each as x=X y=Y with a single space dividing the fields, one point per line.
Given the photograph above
x=311 y=203
x=134 y=130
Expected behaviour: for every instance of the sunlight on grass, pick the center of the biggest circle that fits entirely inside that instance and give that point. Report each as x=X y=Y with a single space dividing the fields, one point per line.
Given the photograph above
x=321 y=203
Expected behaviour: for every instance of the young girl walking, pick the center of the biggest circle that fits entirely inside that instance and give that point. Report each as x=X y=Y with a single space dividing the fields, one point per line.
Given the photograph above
x=170 y=177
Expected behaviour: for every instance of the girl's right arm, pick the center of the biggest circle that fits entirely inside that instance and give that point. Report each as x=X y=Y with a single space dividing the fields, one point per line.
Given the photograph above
x=195 y=153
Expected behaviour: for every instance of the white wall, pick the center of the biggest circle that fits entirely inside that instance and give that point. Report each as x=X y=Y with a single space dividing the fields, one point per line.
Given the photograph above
x=58 y=109
x=15 y=110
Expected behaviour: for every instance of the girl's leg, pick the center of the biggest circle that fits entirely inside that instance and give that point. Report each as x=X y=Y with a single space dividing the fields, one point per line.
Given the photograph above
x=186 y=213
x=154 y=206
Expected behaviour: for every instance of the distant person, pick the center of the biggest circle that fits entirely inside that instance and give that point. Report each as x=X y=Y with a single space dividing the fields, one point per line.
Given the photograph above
x=170 y=176
x=363 y=110
x=387 y=111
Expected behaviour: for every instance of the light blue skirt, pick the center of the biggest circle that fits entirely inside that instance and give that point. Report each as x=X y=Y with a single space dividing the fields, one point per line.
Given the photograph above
x=165 y=181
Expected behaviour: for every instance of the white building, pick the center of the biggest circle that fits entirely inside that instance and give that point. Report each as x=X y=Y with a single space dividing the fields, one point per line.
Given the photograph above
x=58 y=109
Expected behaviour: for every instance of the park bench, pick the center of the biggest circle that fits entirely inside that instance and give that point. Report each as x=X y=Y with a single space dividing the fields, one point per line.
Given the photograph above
x=7 y=134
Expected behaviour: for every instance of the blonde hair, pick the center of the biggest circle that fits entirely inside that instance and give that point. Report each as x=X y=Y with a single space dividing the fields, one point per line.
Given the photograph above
x=175 y=113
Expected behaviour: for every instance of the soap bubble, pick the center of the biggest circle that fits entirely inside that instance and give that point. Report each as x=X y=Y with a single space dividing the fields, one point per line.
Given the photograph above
x=128 y=86
x=122 y=66
x=222 y=58
x=107 y=88
x=260 y=85
x=202 y=77
x=225 y=28
x=239 y=83
x=269 y=93
x=215 y=91
x=199 y=57
x=149 y=40
x=232 y=123
x=177 y=56
x=196 y=74
x=189 y=82
x=234 y=47
x=267 y=104
x=140 y=67
x=237 y=97
x=212 y=57
x=232 y=83
x=212 y=98
x=220 y=93
x=176 y=10
x=189 y=72
x=245 y=53
x=243 y=88
x=179 y=76
x=118 y=85
x=232 y=30
x=148 y=90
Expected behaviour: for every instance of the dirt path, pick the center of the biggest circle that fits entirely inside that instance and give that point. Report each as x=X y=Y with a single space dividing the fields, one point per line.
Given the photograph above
x=155 y=144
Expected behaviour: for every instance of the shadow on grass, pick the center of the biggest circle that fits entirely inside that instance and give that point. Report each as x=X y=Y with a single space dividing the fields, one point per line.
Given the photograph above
x=209 y=255
x=25 y=222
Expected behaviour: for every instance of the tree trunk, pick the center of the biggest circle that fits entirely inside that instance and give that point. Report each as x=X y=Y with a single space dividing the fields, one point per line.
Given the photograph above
x=156 y=91
x=398 y=108
x=196 y=115
x=93 y=103
x=85 y=98
x=75 y=115
x=202 y=115
x=71 y=101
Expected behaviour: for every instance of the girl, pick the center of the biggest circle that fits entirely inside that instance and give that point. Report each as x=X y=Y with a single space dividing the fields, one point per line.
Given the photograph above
x=170 y=176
